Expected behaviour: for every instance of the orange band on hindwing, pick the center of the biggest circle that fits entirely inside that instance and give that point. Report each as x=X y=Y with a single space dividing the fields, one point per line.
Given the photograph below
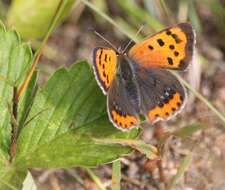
x=124 y=121
x=165 y=110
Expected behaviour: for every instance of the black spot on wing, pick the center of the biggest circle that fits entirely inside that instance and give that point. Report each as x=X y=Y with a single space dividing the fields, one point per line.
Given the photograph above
x=100 y=57
x=171 y=46
x=176 y=53
x=170 y=60
x=160 y=42
x=150 y=47
x=176 y=38
x=168 y=32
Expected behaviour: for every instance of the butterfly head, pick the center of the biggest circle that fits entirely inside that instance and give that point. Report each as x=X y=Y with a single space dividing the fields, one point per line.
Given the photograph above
x=119 y=50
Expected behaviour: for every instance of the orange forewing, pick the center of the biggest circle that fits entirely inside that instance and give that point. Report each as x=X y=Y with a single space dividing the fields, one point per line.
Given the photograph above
x=171 y=48
x=105 y=61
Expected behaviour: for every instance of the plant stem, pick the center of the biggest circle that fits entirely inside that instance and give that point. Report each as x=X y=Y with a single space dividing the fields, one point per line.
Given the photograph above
x=184 y=164
x=18 y=93
x=40 y=50
x=14 y=124
x=110 y=20
x=96 y=179
x=116 y=175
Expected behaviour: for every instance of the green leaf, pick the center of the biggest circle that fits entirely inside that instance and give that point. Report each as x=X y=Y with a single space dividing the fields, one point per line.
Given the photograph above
x=11 y=179
x=194 y=18
x=32 y=18
x=189 y=130
x=149 y=150
x=72 y=117
x=141 y=16
x=15 y=59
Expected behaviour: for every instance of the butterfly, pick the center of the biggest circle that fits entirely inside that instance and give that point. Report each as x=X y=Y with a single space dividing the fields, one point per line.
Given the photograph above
x=139 y=82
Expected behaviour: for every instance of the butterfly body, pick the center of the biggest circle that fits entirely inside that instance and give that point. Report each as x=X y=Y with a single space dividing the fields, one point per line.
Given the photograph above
x=138 y=83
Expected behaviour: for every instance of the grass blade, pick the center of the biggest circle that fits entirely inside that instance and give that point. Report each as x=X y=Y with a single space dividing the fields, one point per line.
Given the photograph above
x=180 y=172
x=106 y=17
x=40 y=50
x=116 y=175
x=96 y=179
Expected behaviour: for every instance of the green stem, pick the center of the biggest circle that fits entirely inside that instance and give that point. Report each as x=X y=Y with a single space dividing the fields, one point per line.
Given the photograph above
x=180 y=172
x=110 y=20
x=96 y=179
x=39 y=52
x=116 y=175
x=53 y=24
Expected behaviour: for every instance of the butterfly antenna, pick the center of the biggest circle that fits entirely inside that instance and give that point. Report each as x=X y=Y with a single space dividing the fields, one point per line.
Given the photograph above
x=107 y=41
x=130 y=41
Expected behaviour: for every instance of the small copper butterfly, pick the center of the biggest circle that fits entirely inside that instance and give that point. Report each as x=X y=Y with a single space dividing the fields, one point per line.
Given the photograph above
x=138 y=82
